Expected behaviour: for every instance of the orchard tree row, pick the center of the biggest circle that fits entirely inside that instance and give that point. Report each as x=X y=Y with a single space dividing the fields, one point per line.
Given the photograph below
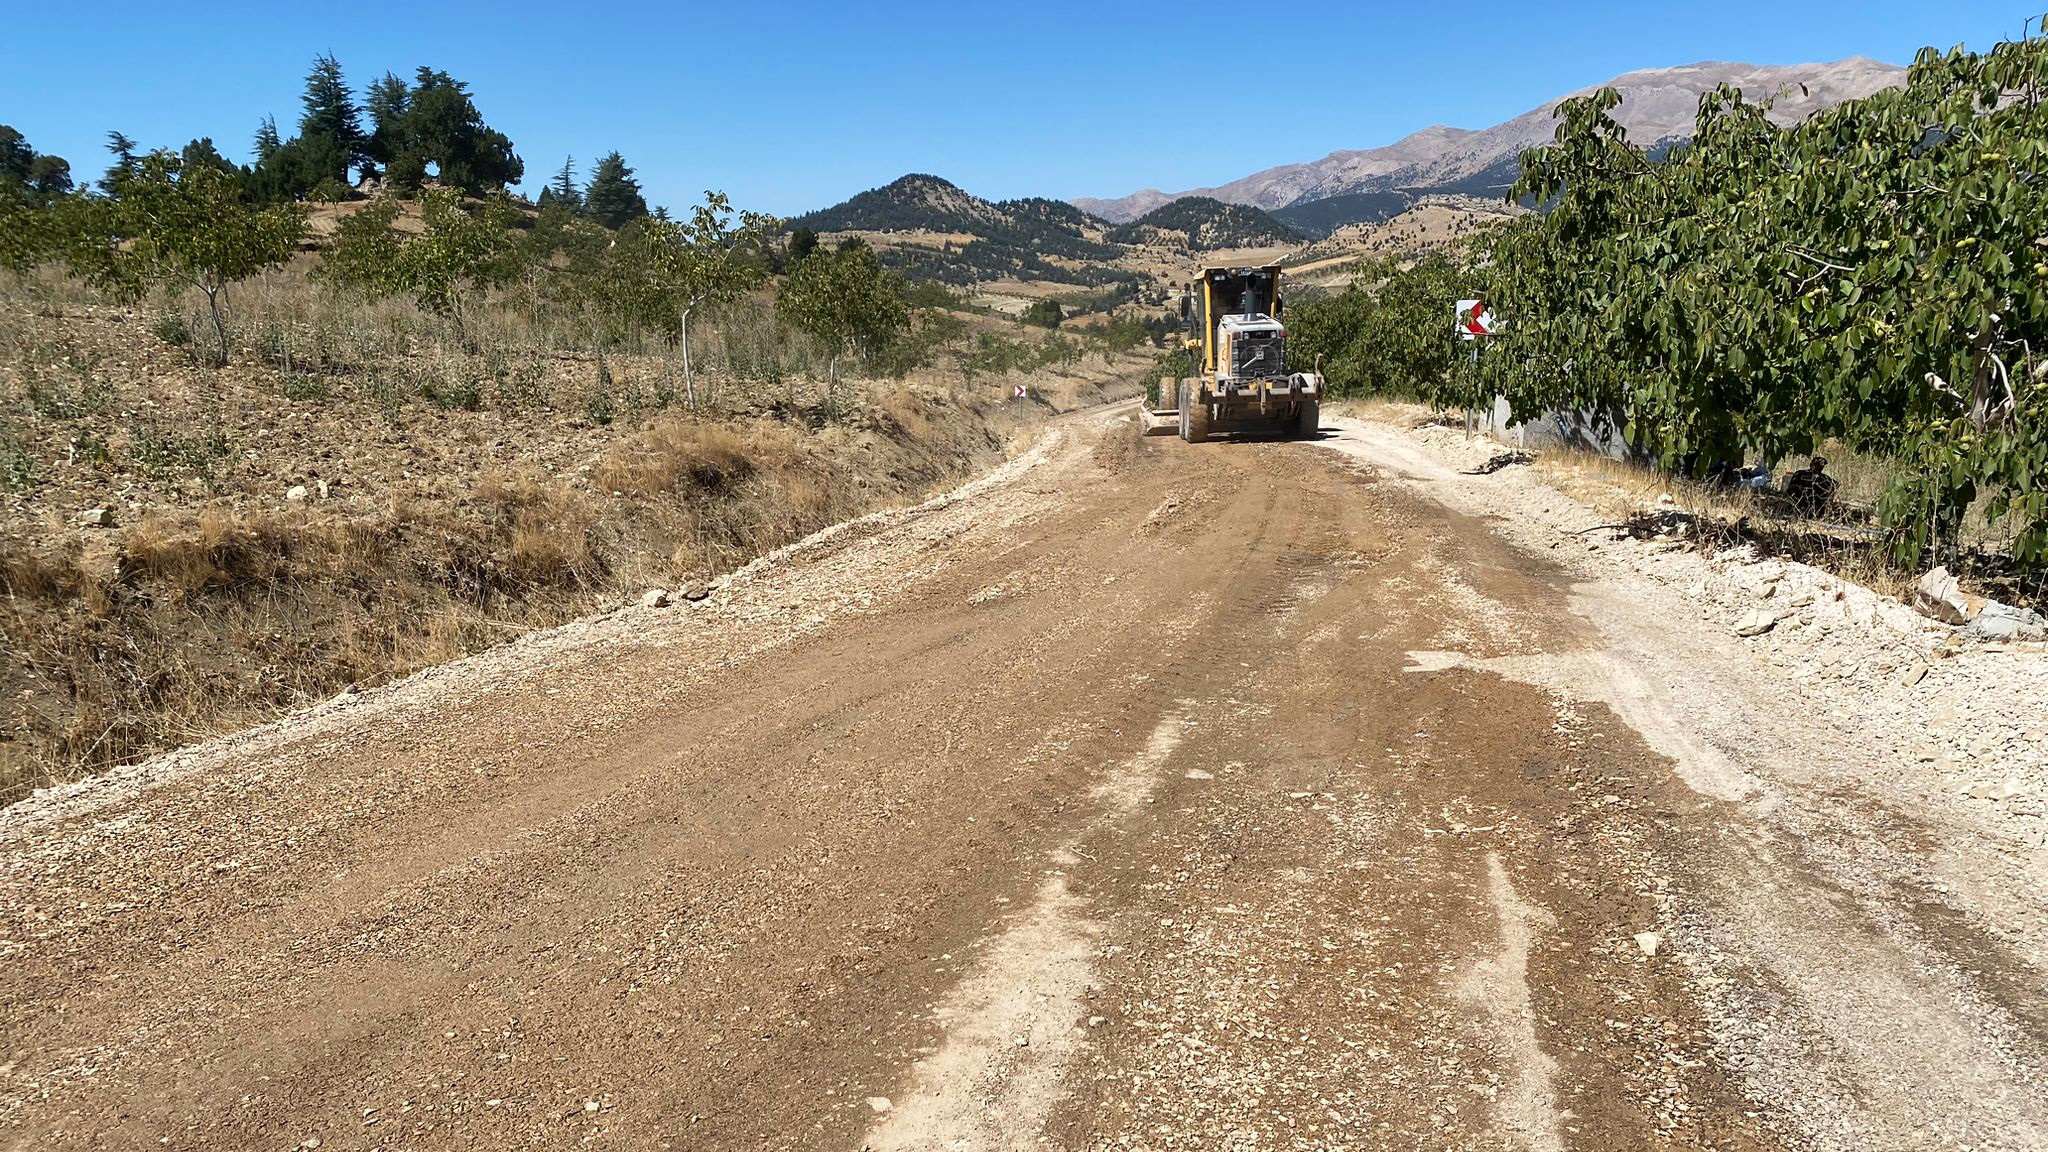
x=169 y=224
x=1876 y=274
x=589 y=257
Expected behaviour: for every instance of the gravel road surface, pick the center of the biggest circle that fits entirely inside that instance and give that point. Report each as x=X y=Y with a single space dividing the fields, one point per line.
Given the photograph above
x=1138 y=795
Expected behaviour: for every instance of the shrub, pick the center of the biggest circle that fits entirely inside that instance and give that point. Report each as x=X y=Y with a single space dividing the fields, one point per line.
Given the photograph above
x=166 y=456
x=457 y=391
x=172 y=330
x=1043 y=314
x=17 y=466
x=303 y=386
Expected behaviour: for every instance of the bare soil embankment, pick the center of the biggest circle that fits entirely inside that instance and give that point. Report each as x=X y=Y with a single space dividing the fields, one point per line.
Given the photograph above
x=186 y=551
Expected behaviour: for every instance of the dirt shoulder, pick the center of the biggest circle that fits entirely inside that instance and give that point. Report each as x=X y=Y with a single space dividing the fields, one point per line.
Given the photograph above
x=1909 y=708
x=1883 y=878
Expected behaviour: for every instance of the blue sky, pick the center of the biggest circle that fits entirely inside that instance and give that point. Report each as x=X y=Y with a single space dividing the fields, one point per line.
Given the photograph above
x=791 y=106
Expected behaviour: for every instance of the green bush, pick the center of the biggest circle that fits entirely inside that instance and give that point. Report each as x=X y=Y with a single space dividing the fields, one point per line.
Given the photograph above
x=303 y=386
x=523 y=384
x=1043 y=314
x=17 y=466
x=171 y=329
x=167 y=456
x=457 y=392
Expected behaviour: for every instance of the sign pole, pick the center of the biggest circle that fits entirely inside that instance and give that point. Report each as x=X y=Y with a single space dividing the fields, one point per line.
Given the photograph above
x=1473 y=319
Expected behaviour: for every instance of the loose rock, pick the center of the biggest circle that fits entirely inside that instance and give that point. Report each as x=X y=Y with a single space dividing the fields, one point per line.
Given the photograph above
x=96 y=518
x=1996 y=621
x=1937 y=597
x=1756 y=623
x=654 y=598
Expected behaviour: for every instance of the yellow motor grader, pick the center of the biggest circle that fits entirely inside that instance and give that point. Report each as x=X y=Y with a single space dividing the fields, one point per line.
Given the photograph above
x=1237 y=357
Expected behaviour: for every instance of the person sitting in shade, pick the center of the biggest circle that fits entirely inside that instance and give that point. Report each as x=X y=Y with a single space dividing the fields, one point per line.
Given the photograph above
x=1812 y=490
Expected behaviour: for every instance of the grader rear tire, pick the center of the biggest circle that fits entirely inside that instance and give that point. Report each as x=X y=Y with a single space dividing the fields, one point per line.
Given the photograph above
x=1194 y=413
x=1309 y=420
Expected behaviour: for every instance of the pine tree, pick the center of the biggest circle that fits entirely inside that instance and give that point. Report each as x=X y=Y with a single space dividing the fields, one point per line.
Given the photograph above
x=387 y=102
x=15 y=156
x=267 y=142
x=613 y=197
x=331 y=116
x=440 y=126
x=202 y=153
x=564 y=186
x=125 y=165
x=50 y=175
x=23 y=169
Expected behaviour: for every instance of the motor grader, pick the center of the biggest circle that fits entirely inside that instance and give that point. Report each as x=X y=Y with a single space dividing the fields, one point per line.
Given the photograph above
x=1237 y=358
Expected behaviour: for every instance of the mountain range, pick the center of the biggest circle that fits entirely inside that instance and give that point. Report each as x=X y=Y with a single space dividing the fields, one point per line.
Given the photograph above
x=934 y=230
x=1657 y=105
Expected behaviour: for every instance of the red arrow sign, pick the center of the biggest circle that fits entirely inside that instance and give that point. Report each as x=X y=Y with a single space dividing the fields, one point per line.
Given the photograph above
x=1477 y=324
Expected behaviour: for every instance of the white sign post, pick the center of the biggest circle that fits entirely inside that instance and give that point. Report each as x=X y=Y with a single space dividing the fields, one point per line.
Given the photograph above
x=1018 y=392
x=1474 y=319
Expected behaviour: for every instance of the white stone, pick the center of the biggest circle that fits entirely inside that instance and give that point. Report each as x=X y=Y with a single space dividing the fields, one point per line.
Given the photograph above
x=1756 y=623
x=1938 y=598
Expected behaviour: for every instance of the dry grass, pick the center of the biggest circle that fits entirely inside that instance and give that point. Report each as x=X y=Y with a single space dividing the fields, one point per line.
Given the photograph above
x=1380 y=410
x=1847 y=543
x=476 y=493
x=707 y=457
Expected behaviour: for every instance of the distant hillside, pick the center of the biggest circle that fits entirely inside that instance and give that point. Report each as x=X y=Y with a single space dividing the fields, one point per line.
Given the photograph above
x=1657 y=104
x=1206 y=225
x=1319 y=218
x=976 y=239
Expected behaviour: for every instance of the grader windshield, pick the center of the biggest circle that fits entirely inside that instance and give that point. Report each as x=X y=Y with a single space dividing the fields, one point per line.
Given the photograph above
x=1240 y=292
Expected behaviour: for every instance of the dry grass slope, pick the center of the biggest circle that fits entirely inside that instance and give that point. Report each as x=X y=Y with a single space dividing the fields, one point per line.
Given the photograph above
x=363 y=493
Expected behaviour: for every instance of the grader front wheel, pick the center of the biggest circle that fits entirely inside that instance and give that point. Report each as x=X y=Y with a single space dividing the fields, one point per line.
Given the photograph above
x=1194 y=413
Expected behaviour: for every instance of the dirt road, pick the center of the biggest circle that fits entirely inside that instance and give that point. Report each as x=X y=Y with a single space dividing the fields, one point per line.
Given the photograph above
x=1138 y=796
